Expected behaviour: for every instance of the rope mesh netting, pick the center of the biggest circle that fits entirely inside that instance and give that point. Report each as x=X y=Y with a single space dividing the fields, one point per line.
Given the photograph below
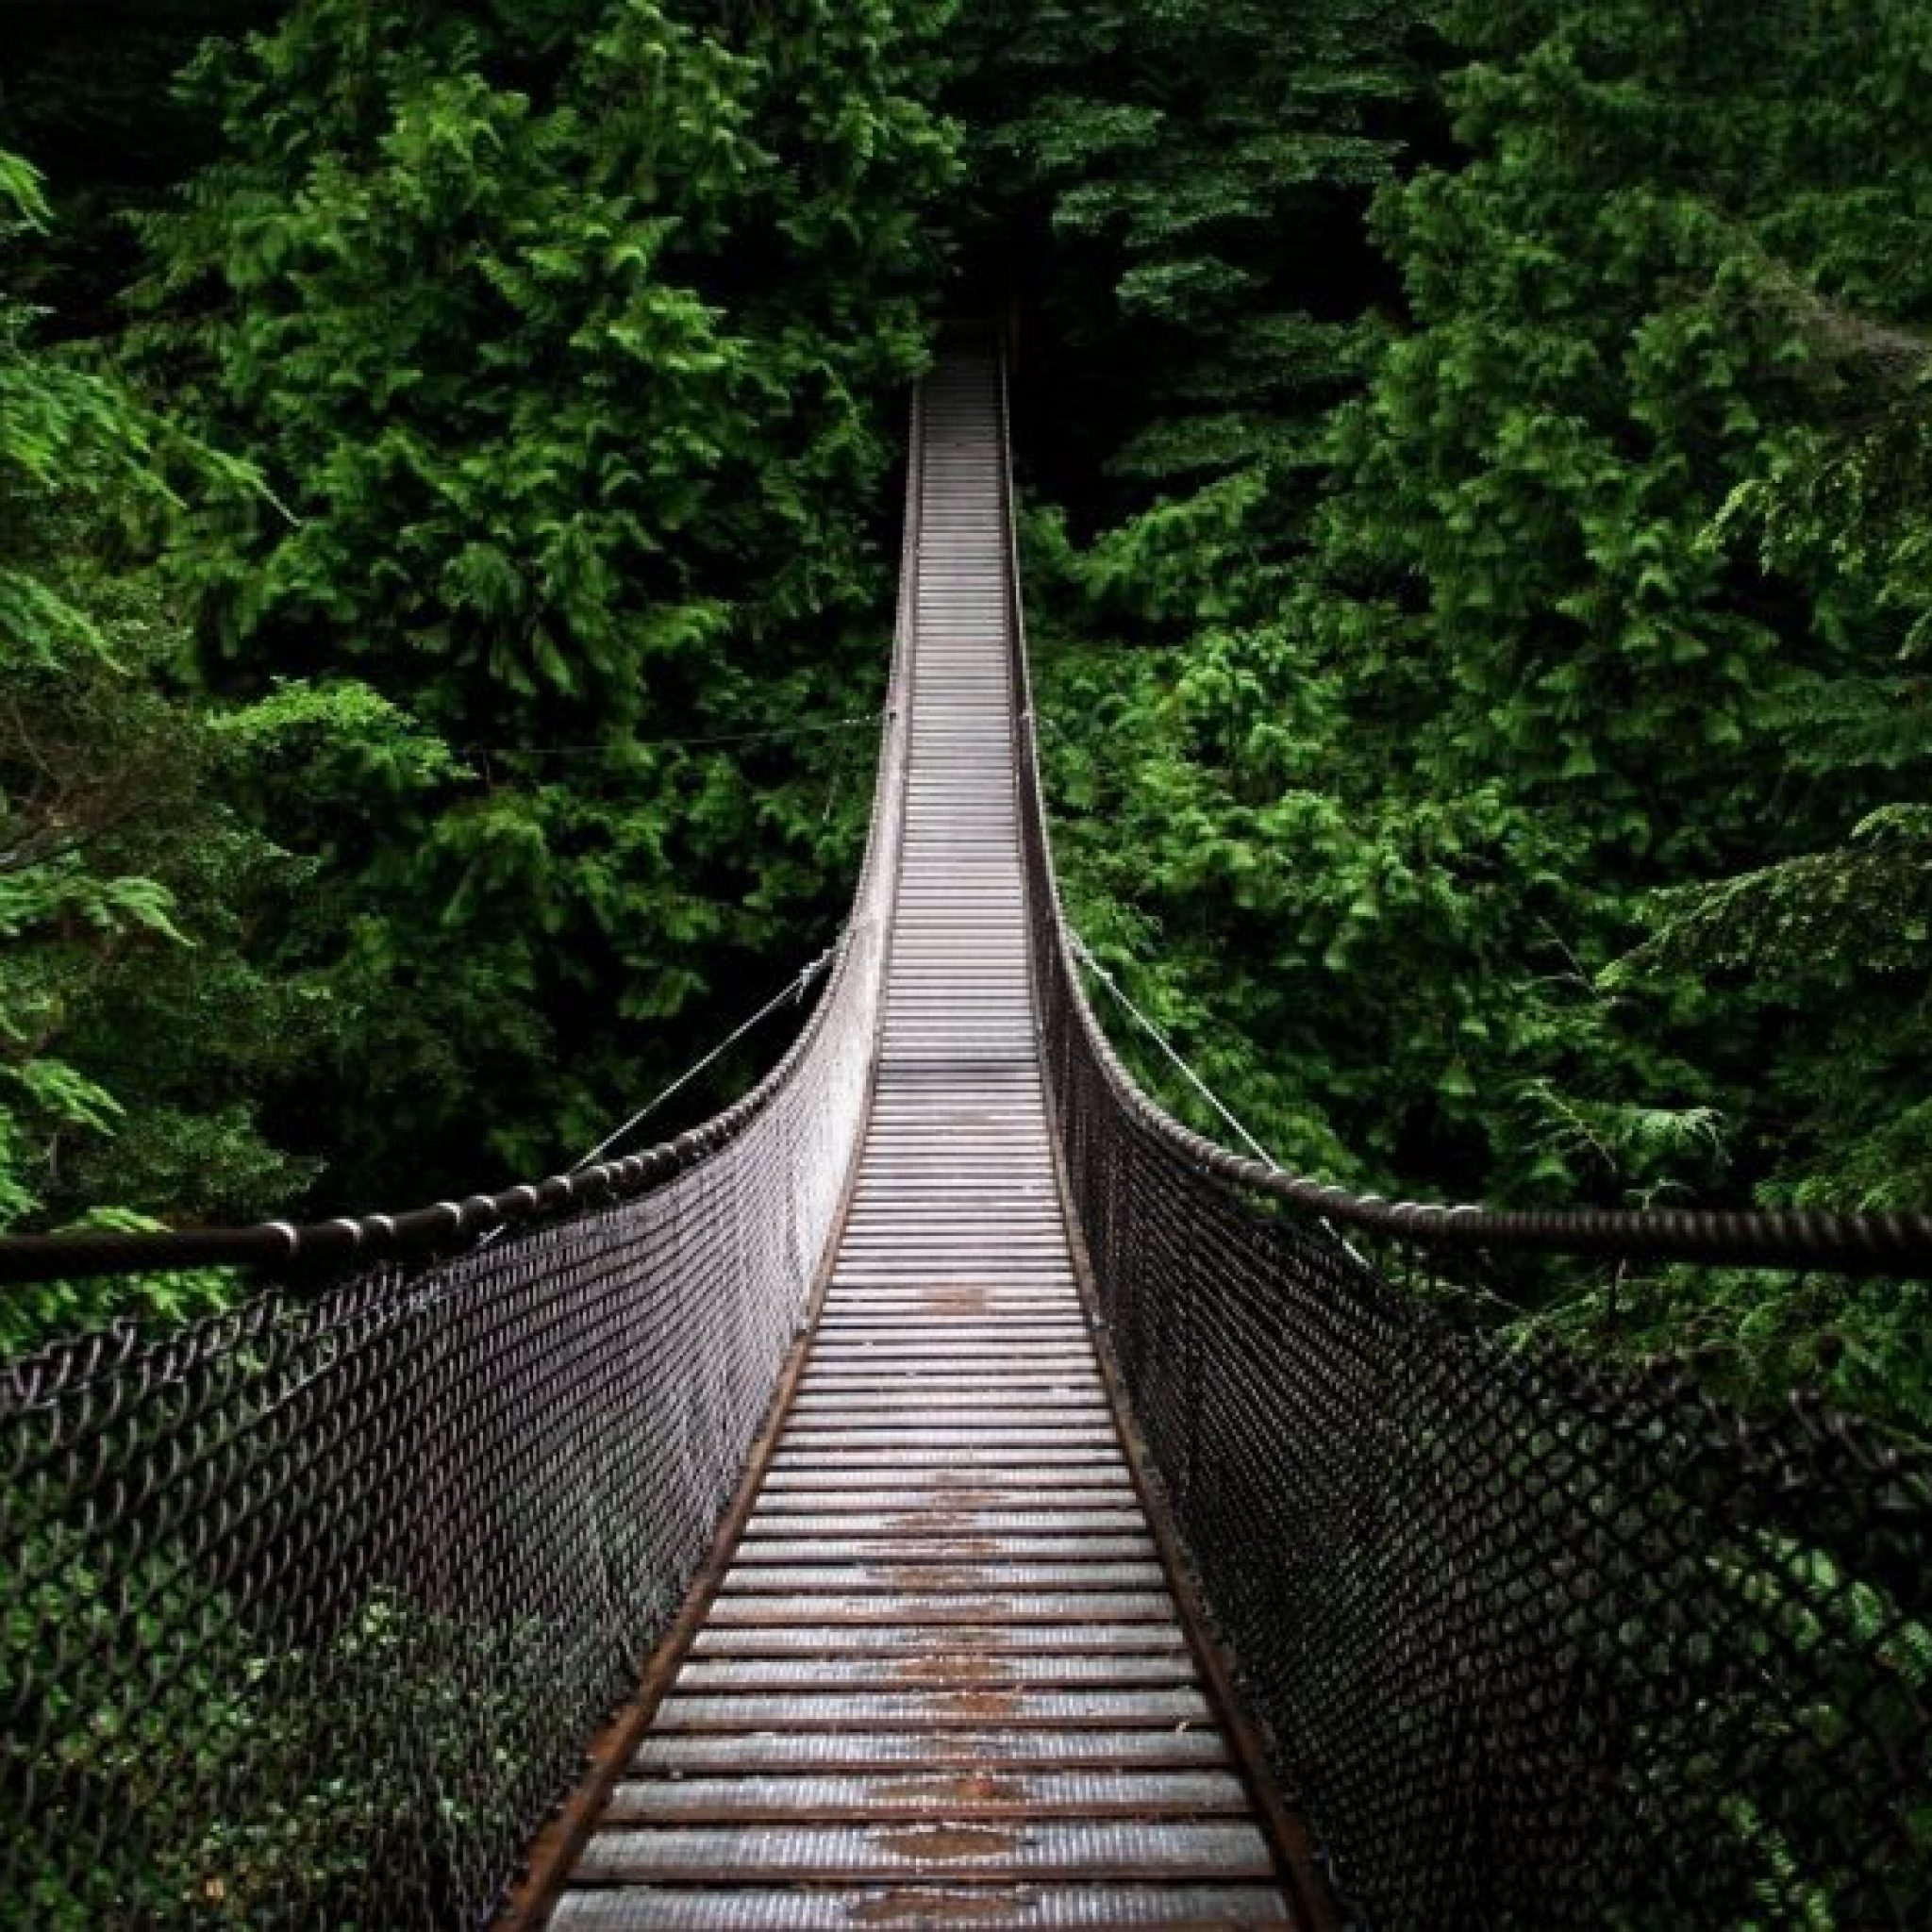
x=315 y=1605
x=1532 y=1641
x=310 y=1609
x=1537 y=1644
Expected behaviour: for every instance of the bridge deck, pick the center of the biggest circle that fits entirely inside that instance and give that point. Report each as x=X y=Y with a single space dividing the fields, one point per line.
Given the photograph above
x=943 y=1680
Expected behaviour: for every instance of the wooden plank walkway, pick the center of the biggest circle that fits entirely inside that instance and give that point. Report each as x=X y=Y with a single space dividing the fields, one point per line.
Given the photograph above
x=943 y=1681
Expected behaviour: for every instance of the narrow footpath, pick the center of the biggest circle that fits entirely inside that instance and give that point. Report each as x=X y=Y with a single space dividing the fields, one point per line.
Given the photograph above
x=943 y=1681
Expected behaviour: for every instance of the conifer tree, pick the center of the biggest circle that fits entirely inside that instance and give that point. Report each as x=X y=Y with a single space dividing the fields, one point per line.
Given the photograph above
x=570 y=336
x=137 y=1031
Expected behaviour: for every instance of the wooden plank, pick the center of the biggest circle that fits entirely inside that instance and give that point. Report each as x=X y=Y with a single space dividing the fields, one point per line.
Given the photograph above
x=944 y=1647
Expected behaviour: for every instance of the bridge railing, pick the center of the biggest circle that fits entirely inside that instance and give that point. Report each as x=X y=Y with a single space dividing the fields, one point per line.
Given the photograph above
x=308 y=1611
x=1534 y=1642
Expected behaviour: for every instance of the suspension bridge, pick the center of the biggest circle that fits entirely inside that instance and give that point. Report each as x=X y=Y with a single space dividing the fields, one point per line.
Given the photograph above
x=943 y=1490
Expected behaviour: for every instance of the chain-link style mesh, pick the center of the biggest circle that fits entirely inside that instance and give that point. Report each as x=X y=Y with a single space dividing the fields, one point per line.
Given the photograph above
x=1534 y=1642
x=309 y=1611
x=1538 y=1645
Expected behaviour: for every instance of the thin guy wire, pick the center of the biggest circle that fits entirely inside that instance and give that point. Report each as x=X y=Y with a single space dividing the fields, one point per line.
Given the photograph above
x=1086 y=957
x=794 y=990
x=1084 y=954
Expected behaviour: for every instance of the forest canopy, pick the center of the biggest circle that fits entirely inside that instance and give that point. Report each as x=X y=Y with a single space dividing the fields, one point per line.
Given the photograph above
x=1476 y=463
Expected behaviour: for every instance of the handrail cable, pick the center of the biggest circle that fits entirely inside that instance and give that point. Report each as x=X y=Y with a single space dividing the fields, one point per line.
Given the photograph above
x=312 y=1601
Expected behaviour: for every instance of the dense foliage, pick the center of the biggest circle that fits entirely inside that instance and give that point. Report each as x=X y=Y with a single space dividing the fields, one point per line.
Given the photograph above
x=1544 y=815
x=128 y=1004
x=561 y=348
x=1187 y=184
x=540 y=324
x=1476 y=458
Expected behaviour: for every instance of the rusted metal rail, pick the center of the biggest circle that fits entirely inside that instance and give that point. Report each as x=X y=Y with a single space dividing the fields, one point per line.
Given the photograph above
x=943 y=1677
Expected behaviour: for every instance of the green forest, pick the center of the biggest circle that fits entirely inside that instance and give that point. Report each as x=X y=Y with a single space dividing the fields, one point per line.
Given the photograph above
x=1477 y=464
